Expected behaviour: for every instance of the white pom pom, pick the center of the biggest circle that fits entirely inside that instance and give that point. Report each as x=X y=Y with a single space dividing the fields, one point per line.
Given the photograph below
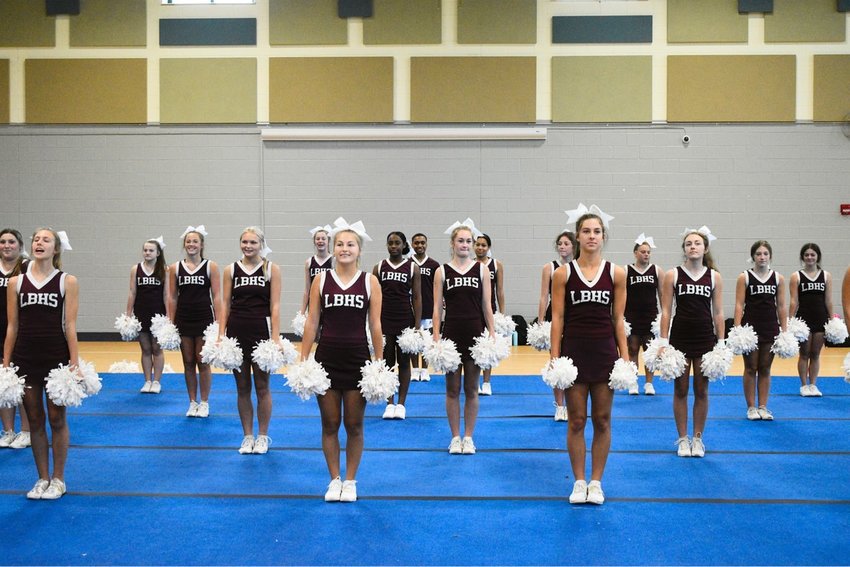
x=124 y=367
x=165 y=333
x=656 y=326
x=798 y=328
x=846 y=368
x=307 y=379
x=627 y=327
x=369 y=341
x=742 y=339
x=157 y=321
x=717 y=362
x=89 y=377
x=785 y=345
x=539 y=335
x=670 y=365
x=128 y=326
x=270 y=357
x=11 y=387
x=225 y=353
x=835 y=331
x=379 y=382
x=623 y=375
x=560 y=373
x=503 y=325
x=650 y=353
x=442 y=356
x=298 y=323
x=489 y=352
x=211 y=332
x=412 y=341
x=65 y=387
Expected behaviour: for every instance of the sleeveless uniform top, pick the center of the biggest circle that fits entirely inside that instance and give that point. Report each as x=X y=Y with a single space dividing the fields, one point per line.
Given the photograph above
x=641 y=298
x=316 y=268
x=811 y=301
x=194 y=304
x=692 y=330
x=427 y=269
x=494 y=304
x=463 y=297
x=250 y=305
x=548 y=315
x=396 y=291
x=41 y=345
x=760 y=306
x=4 y=284
x=345 y=309
x=149 y=297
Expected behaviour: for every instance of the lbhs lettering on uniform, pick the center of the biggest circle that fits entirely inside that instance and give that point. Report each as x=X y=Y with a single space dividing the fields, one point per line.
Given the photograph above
x=191 y=280
x=463 y=281
x=48 y=299
x=760 y=289
x=147 y=280
x=641 y=279
x=239 y=281
x=812 y=286
x=694 y=289
x=394 y=276
x=340 y=300
x=590 y=296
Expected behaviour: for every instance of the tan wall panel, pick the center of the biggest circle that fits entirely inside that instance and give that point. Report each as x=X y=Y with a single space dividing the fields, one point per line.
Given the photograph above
x=473 y=89
x=306 y=22
x=110 y=23
x=496 y=21
x=331 y=89
x=86 y=91
x=404 y=22
x=804 y=21
x=705 y=21
x=731 y=88
x=208 y=91
x=832 y=88
x=23 y=23
x=4 y=91
x=602 y=89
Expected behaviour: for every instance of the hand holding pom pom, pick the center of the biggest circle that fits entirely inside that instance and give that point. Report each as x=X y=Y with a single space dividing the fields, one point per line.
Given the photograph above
x=298 y=323
x=89 y=377
x=225 y=353
x=835 y=331
x=379 y=382
x=785 y=345
x=65 y=387
x=656 y=326
x=798 y=328
x=442 y=356
x=128 y=326
x=627 y=327
x=165 y=332
x=503 y=325
x=270 y=355
x=413 y=341
x=488 y=352
x=670 y=365
x=742 y=339
x=623 y=375
x=11 y=387
x=308 y=378
x=559 y=373
x=717 y=362
x=539 y=335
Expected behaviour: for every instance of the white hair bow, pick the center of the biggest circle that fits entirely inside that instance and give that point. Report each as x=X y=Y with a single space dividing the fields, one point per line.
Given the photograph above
x=315 y=229
x=468 y=223
x=703 y=230
x=63 y=239
x=265 y=251
x=358 y=228
x=644 y=239
x=575 y=214
x=200 y=229
x=160 y=241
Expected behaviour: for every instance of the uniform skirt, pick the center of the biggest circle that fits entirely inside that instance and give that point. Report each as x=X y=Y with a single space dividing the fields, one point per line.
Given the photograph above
x=35 y=360
x=815 y=318
x=691 y=340
x=249 y=332
x=593 y=357
x=463 y=333
x=144 y=314
x=343 y=364
x=192 y=323
x=392 y=324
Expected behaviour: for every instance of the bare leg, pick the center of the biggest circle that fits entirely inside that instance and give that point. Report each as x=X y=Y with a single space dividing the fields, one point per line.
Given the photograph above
x=403 y=375
x=814 y=357
x=33 y=400
x=470 y=392
x=187 y=350
x=453 y=400
x=354 y=407
x=700 y=399
x=146 y=344
x=601 y=401
x=751 y=361
x=61 y=437
x=576 y=444
x=765 y=362
x=681 y=386
x=264 y=400
x=204 y=371
x=244 y=404
x=330 y=408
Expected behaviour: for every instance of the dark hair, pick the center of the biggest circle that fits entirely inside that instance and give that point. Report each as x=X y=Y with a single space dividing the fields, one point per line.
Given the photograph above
x=639 y=244
x=17 y=269
x=486 y=238
x=584 y=218
x=418 y=234
x=814 y=247
x=570 y=236
x=405 y=249
x=159 y=266
x=758 y=244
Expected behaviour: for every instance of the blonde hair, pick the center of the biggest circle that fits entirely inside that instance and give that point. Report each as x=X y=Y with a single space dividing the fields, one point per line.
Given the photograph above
x=57 y=247
x=261 y=236
x=456 y=230
x=200 y=237
x=356 y=237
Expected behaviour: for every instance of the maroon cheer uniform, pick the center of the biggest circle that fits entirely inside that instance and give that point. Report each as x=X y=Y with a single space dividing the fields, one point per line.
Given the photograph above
x=250 y=305
x=317 y=268
x=194 y=304
x=641 y=299
x=811 y=301
x=4 y=284
x=494 y=304
x=427 y=269
x=555 y=265
x=40 y=346
x=760 y=306
x=463 y=295
x=343 y=348
x=396 y=291
x=692 y=331
x=149 y=297
x=588 y=337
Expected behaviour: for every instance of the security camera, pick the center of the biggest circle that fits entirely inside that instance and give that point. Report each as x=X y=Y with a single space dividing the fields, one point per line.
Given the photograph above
x=686 y=139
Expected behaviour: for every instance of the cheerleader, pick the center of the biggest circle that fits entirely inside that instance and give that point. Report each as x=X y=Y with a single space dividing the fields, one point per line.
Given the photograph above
x=845 y=295
x=42 y=334
x=462 y=288
x=643 y=292
x=317 y=263
x=427 y=268
x=588 y=298
x=251 y=314
x=342 y=299
x=497 y=289
x=811 y=301
x=401 y=308
x=565 y=244
x=12 y=263
x=148 y=297
x=760 y=302
x=194 y=293
x=696 y=289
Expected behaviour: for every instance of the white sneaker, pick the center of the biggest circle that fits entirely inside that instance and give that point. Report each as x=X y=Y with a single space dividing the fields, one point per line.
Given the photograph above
x=193 y=409
x=54 y=491
x=261 y=444
x=456 y=446
x=203 y=410
x=6 y=438
x=146 y=389
x=594 y=492
x=697 y=447
x=486 y=389
x=467 y=446
x=22 y=440
x=753 y=413
x=38 y=490
x=813 y=391
x=334 y=491
x=349 y=491
x=765 y=414
x=424 y=376
x=649 y=389
x=156 y=387
x=683 y=445
x=805 y=391
x=560 y=412
x=400 y=412
x=247 y=446
x=579 y=493
x=634 y=390
x=389 y=412
x=415 y=374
